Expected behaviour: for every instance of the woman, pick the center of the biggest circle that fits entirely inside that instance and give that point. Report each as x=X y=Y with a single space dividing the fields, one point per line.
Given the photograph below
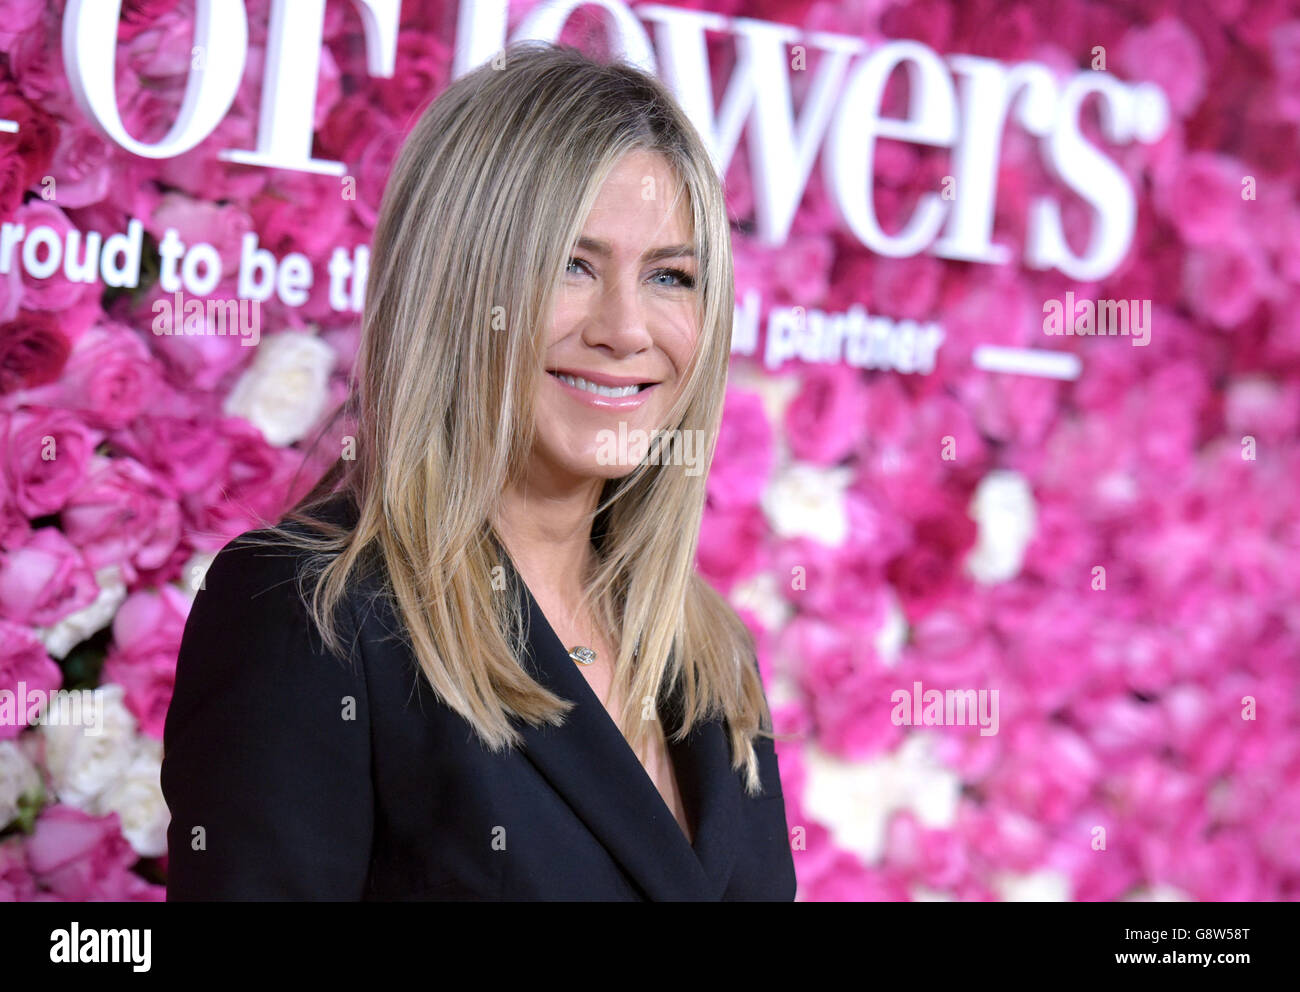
x=477 y=661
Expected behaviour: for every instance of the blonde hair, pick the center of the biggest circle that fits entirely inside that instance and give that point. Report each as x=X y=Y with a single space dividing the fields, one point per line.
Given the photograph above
x=480 y=215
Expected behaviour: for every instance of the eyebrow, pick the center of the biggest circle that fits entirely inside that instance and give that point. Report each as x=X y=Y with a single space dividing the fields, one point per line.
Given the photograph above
x=653 y=255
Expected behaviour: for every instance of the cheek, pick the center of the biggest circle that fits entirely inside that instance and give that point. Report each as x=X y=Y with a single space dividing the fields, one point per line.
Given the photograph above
x=565 y=315
x=680 y=344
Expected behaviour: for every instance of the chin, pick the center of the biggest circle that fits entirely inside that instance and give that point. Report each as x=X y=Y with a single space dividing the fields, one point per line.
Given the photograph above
x=591 y=467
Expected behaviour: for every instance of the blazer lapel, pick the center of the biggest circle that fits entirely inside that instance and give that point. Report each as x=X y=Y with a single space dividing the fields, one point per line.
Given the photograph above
x=590 y=763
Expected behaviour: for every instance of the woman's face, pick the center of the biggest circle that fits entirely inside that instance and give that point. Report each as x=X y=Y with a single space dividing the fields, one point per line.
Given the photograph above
x=624 y=326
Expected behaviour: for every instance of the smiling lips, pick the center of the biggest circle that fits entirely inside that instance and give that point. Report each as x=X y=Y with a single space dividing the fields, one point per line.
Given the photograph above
x=606 y=392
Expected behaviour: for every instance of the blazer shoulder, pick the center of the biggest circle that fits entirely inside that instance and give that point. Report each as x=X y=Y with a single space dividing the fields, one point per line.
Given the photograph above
x=266 y=741
x=263 y=571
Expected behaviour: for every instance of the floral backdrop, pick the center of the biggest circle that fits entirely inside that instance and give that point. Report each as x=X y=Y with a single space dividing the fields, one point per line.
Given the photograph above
x=876 y=529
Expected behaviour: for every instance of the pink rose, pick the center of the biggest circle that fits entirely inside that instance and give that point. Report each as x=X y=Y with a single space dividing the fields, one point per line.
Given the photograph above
x=150 y=107
x=146 y=639
x=1003 y=836
x=195 y=220
x=353 y=123
x=13 y=176
x=123 y=515
x=731 y=544
x=1224 y=281
x=929 y=22
x=185 y=449
x=200 y=171
x=302 y=212
x=32 y=146
x=423 y=71
x=110 y=376
x=375 y=163
x=826 y=656
x=955 y=643
x=19 y=16
x=936 y=859
x=33 y=351
x=844 y=878
x=250 y=492
x=45 y=457
x=799 y=274
x=1221 y=868
x=1166 y=53
x=1262 y=408
x=157 y=35
x=743 y=457
x=822 y=422
x=36 y=62
x=1014 y=410
x=196 y=362
x=53 y=292
x=14 y=527
x=842 y=585
x=139 y=15
x=16 y=882
x=930 y=568
x=907 y=288
x=23 y=660
x=848 y=688
x=1284 y=47
x=83 y=166
x=44 y=579
x=1047 y=773
x=1202 y=199
x=1036 y=623
x=83 y=858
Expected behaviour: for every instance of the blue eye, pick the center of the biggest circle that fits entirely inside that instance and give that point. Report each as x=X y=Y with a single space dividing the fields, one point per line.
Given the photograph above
x=684 y=279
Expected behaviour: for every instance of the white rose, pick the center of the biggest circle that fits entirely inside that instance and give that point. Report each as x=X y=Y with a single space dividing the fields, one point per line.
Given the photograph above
x=759 y=595
x=76 y=627
x=892 y=634
x=775 y=390
x=1047 y=885
x=284 y=392
x=137 y=799
x=1159 y=892
x=84 y=764
x=855 y=800
x=17 y=776
x=1004 y=511
x=807 y=501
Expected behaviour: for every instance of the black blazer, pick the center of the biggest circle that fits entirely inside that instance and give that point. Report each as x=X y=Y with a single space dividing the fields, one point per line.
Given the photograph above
x=293 y=773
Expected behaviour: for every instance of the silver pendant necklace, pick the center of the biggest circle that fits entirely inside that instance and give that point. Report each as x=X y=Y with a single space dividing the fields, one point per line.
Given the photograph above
x=582 y=655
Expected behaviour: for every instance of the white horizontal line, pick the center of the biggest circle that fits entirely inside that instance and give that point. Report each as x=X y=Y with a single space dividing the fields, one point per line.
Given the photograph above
x=1027 y=361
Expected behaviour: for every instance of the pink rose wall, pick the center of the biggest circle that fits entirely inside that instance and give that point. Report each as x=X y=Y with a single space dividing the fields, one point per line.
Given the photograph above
x=876 y=528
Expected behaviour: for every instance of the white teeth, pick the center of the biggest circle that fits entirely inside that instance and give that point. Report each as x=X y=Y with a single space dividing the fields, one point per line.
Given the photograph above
x=592 y=387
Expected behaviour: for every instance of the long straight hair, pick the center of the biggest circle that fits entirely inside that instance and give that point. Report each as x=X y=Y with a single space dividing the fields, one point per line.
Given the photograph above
x=482 y=209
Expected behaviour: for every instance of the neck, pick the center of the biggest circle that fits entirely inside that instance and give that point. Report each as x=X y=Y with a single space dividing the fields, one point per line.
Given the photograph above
x=544 y=523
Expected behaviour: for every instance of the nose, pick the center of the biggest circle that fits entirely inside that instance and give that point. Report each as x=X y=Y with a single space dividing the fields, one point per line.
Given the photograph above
x=618 y=320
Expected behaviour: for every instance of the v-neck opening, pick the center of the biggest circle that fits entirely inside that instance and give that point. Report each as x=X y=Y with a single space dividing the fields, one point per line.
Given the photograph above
x=597 y=705
x=695 y=803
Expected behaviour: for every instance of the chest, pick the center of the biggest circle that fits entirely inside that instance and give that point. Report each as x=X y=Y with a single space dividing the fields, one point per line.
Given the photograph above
x=656 y=759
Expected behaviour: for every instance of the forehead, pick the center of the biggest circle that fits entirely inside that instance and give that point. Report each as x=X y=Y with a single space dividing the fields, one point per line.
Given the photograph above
x=641 y=201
